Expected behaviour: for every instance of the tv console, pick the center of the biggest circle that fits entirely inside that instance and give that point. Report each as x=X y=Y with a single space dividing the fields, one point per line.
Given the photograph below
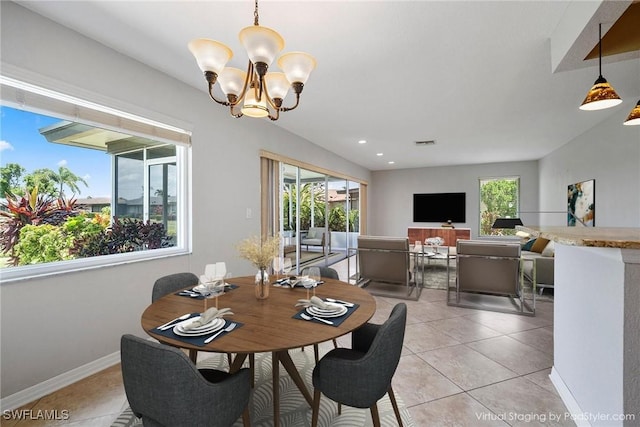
x=450 y=235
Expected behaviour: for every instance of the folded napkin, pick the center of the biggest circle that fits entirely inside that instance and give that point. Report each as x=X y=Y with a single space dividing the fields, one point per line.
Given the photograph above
x=315 y=302
x=206 y=317
x=210 y=285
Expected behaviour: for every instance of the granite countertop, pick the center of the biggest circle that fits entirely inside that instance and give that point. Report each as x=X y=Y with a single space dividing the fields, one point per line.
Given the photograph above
x=609 y=237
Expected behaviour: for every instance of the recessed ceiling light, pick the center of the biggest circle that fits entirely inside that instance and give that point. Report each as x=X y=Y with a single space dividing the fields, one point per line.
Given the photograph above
x=362 y=141
x=378 y=154
x=391 y=162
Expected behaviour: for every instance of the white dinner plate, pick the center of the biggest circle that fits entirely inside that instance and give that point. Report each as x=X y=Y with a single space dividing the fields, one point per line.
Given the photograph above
x=339 y=310
x=208 y=328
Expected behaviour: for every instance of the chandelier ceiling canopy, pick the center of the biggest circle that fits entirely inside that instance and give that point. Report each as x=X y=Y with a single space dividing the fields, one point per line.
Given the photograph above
x=260 y=92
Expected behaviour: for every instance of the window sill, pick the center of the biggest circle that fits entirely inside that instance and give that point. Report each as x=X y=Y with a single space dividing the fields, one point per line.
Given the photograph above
x=15 y=274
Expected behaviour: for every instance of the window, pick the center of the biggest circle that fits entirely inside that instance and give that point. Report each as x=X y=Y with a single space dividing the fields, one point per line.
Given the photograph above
x=499 y=198
x=100 y=170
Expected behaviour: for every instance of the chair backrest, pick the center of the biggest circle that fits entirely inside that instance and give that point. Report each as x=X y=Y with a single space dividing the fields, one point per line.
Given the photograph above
x=488 y=267
x=326 y=272
x=165 y=388
x=383 y=356
x=384 y=259
x=172 y=283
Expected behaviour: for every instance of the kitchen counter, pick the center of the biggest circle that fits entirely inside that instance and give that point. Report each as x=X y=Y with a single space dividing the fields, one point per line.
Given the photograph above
x=596 y=331
x=603 y=237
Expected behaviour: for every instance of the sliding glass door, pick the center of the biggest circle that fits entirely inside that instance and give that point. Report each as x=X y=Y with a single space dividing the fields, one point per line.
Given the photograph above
x=318 y=213
x=319 y=216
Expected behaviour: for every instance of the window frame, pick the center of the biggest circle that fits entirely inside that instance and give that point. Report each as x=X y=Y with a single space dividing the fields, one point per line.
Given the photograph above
x=28 y=97
x=517 y=203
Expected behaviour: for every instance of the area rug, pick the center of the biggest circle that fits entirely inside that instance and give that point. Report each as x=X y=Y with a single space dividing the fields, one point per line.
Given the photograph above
x=294 y=410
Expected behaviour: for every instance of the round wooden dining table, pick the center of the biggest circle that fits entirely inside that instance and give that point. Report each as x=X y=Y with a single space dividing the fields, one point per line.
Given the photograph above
x=266 y=325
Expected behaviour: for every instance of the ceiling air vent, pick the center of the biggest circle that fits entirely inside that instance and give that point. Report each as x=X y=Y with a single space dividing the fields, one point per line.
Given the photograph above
x=426 y=142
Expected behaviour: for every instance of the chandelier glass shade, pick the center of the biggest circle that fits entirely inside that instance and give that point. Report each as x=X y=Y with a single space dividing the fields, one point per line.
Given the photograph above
x=602 y=95
x=256 y=92
x=634 y=116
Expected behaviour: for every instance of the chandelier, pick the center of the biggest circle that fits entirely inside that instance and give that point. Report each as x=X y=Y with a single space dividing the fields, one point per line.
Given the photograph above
x=255 y=92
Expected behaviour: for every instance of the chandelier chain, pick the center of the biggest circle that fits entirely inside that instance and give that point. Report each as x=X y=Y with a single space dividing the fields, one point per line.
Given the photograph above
x=255 y=14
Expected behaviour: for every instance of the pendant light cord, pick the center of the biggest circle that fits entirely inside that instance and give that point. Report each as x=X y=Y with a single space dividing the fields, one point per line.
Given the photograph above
x=599 y=45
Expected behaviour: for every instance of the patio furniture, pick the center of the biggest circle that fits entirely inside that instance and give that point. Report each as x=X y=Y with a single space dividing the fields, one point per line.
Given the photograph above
x=317 y=236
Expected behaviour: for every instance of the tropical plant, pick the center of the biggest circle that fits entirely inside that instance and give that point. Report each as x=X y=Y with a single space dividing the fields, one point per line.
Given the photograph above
x=10 y=179
x=31 y=209
x=498 y=198
x=41 y=243
x=68 y=178
x=81 y=226
x=338 y=219
x=126 y=235
x=354 y=221
x=43 y=179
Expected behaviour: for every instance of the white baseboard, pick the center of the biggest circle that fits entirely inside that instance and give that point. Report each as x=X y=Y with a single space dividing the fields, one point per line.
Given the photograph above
x=568 y=399
x=56 y=383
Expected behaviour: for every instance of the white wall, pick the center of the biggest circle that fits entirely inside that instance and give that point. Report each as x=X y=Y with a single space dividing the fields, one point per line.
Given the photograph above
x=52 y=325
x=608 y=153
x=391 y=193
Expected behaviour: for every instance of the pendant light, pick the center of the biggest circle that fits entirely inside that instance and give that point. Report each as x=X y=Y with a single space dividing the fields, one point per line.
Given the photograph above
x=634 y=116
x=601 y=95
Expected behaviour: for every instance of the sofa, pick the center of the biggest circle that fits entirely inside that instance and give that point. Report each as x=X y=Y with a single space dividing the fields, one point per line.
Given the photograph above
x=538 y=262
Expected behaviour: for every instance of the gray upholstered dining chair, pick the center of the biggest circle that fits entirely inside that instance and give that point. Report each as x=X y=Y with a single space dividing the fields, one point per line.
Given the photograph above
x=172 y=283
x=164 y=388
x=361 y=375
x=328 y=273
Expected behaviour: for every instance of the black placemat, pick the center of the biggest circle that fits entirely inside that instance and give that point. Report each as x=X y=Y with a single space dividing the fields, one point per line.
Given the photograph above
x=337 y=321
x=199 y=340
x=228 y=287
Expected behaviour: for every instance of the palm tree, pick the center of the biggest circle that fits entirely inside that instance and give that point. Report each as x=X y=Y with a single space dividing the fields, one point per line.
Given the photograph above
x=68 y=178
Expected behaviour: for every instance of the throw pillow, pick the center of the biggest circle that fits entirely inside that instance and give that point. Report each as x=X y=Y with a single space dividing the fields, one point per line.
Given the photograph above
x=311 y=234
x=549 y=250
x=539 y=245
x=527 y=246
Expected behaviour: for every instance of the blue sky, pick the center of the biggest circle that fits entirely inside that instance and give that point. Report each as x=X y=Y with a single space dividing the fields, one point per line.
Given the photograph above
x=20 y=142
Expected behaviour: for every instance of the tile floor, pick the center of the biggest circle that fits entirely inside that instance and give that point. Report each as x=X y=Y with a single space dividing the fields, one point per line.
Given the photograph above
x=459 y=367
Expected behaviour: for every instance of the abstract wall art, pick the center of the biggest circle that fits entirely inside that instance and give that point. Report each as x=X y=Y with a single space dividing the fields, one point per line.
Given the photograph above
x=581 y=204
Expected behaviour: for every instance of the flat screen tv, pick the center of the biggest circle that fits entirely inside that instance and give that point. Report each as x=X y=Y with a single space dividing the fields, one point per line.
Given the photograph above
x=439 y=207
